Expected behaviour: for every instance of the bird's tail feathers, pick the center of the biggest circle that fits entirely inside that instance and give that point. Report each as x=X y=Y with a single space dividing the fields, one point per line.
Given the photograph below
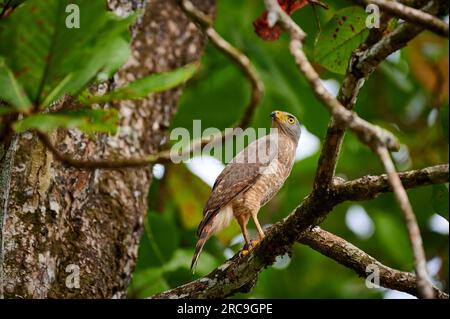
x=205 y=233
x=212 y=223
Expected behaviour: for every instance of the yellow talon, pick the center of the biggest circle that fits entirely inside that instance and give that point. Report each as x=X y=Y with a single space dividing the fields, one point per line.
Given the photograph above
x=253 y=243
x=245 y=252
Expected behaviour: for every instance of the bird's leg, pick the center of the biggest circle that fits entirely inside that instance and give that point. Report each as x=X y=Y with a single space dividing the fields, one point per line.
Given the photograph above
x=258 y=226
x=242 y=221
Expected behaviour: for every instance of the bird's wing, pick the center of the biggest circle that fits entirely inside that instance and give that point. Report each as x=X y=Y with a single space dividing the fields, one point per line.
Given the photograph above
x=239 y=175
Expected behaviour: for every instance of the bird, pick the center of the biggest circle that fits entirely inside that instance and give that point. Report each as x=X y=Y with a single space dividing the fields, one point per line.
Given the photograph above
x=249 y=181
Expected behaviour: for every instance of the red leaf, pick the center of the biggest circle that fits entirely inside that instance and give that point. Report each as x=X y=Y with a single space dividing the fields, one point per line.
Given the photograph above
x=261 y=24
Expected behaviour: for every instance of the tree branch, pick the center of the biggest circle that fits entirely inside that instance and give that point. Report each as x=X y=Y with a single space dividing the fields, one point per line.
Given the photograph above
x=420 y=262
x=239 y=58
x=362 y=263
x=363 y=62
x=369 y=187
x=367 y=133
x=239 y=273
x=409 y=14
x=92 y=164
x=376 y=138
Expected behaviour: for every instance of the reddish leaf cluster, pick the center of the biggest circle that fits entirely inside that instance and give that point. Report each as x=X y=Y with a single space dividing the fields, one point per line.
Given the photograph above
x=261 y=24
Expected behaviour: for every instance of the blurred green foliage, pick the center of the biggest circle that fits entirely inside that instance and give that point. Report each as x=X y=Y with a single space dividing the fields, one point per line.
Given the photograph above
x=401 y=96
x=53 y=48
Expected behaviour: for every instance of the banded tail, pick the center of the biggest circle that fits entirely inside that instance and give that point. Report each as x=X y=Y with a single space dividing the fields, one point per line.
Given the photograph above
x=212 y=222
x=205 y=233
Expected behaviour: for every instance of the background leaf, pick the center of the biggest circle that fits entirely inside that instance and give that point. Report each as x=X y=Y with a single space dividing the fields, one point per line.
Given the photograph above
x=339 y=37
x=48 y=58
x=138 y=89
x=88 y=121
x=11 y=91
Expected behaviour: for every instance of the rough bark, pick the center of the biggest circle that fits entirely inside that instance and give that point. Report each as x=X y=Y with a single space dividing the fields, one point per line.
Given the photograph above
x=55 y=219
x=362 y=263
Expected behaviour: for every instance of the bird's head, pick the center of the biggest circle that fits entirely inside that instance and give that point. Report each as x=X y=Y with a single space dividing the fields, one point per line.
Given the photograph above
x=287 y=123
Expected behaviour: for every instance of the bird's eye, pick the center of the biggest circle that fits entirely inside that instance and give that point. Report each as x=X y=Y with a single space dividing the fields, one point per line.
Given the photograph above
x=291 y=120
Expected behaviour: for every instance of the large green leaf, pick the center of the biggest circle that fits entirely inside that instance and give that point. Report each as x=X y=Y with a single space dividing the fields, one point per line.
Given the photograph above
x=141 y=88
x=88 y=121
x=339 y=37
x=50 y=59
x=11 y=91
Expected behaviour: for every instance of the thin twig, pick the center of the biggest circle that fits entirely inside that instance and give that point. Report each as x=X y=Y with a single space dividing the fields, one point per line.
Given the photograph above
x=362 y=263
x=348 y=93
x=92 y=164
x=424 y=286
x=239 y=58
x=376 y=138
x=5 y=7
x=363 y=62
x=368 y=133
x=409 y=14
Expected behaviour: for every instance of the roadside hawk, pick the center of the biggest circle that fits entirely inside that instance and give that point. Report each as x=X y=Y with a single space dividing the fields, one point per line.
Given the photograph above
x=249 y=181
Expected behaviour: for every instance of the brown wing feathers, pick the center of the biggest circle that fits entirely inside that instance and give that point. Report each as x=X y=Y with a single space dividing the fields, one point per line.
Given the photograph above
x=236 y=178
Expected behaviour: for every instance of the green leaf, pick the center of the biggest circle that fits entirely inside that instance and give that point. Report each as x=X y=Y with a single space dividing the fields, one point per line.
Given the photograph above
x=439 y=199
x=88 y=121
x=141 y=88
x=50 y=59
x=11 y=91
x=339 y=37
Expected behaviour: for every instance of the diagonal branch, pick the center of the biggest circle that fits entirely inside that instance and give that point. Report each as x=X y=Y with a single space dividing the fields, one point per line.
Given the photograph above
x=363 y=62
x=238 y=274
x=412 y=15
x=366 y=132
x=420 y=262
x=376 y=138
x=362 y=263
x=236 y=56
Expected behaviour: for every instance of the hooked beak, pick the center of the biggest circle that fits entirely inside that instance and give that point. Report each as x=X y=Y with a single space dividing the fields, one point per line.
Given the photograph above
x=277 y=116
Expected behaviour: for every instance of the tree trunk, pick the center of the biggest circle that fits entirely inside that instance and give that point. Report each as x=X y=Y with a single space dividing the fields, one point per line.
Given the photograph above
x=68 y=232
